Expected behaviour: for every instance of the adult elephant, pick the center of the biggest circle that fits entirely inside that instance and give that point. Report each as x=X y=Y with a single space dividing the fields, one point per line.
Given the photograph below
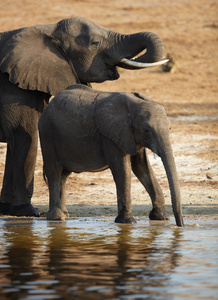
x=40 y=61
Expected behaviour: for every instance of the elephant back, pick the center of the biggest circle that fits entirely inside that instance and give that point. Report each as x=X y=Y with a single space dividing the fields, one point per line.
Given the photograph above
x=73 y=108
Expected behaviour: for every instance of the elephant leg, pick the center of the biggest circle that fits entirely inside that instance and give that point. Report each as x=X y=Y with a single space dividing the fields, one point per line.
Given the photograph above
x=56 y=191
x=120 y=166
x=17 y=186
x=19 y=114
x=7 y=194
x=21 y=174
x=144 y=172
x=63 y=193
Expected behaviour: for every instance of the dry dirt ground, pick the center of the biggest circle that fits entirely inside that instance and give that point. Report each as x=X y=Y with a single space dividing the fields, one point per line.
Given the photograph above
x=189 y=95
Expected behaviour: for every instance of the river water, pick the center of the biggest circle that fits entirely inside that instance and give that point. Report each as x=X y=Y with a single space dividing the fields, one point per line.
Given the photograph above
x=98 y=259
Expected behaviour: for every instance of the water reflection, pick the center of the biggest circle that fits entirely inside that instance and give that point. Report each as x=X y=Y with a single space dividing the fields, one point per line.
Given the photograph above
x=88 y=259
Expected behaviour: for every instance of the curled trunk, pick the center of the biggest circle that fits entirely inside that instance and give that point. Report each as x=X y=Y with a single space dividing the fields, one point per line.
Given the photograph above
x=131 y=45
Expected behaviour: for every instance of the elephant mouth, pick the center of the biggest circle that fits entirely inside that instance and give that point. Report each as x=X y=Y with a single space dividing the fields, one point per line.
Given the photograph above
x=113 y=73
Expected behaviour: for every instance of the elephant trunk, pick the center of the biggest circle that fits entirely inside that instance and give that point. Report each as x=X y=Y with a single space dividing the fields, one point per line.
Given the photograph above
x=133 y=44
x=170 y=168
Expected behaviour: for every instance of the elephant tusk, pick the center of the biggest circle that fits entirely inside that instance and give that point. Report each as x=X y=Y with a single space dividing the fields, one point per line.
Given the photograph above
x=136 y=64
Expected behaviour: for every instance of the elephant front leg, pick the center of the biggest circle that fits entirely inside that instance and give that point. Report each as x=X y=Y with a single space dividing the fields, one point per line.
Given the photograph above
x=121 y=170
x=122 y=176
x=144 y=172
x=17 y=187
x=7 y=194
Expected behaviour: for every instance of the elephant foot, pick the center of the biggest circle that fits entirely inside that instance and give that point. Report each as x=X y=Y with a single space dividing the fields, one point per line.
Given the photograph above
x=125 y=219
x=158 y=214
x=25 y=210
x=64 y=210
x=5 y=208
x=56 y=214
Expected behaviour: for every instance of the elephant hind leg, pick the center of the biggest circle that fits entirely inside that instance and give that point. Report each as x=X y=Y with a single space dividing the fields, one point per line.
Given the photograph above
x=56 y=184
x=65 y=174
x=144 y=172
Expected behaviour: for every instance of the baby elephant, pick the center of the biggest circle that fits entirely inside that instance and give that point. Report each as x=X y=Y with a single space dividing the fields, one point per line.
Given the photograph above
x=84 y=130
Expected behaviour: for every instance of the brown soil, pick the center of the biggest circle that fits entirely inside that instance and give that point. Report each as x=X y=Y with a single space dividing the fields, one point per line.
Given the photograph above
x=189 y=95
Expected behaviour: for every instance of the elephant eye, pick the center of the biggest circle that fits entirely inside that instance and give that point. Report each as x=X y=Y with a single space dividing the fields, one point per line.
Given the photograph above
x=95 y=43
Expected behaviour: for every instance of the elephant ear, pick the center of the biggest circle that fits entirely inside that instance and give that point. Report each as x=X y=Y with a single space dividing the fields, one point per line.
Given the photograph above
x=113 y=120
x=33 y=61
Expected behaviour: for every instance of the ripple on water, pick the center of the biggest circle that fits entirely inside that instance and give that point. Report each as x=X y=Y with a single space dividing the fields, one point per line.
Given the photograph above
x=95 y=258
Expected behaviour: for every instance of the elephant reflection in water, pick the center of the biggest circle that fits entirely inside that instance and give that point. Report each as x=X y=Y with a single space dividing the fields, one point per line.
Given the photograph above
x=71 y=262
x=143 y=261
x=21 y=257
x=87 y=263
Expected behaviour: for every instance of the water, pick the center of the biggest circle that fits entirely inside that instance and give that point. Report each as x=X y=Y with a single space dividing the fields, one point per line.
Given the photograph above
x=98 y=259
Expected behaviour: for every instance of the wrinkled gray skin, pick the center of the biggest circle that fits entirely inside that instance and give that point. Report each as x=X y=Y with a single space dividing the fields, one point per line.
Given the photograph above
x=87 y=130
x=40 y=61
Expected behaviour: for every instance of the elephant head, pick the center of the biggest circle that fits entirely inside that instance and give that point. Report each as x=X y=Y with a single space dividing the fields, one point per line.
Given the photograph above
x=133 y=121
x=49 y=58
